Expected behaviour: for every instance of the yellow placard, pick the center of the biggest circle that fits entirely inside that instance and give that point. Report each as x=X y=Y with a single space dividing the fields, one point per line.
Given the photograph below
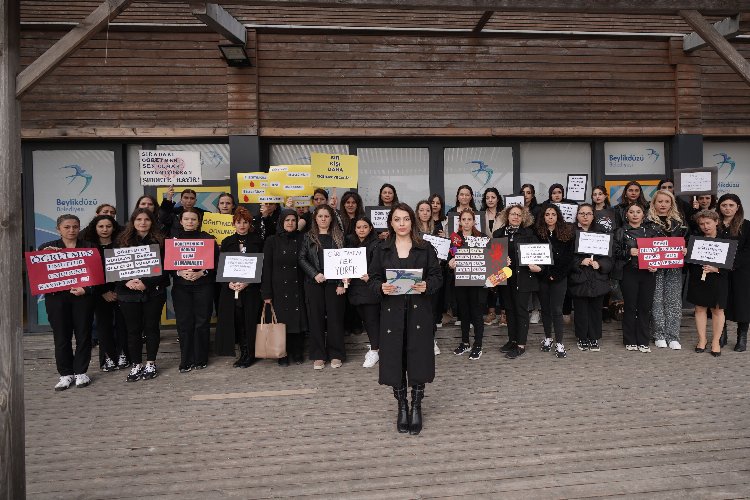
x=251 y=186
x=330 y=170
x=289 y=180
x=218 y=225
x=300 y=201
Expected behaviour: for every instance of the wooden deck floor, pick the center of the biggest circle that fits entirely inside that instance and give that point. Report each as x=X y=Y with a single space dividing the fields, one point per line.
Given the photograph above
x=669 y=424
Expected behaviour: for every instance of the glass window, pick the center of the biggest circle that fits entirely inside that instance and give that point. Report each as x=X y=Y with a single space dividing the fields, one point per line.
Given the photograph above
x=478 y=167
x=547 y=163
x=133 y=171
x=408 y=169
x=733 y=161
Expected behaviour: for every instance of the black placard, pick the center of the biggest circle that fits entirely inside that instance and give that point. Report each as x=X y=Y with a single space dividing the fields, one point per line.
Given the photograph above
x=239 y=267
x=719 y=248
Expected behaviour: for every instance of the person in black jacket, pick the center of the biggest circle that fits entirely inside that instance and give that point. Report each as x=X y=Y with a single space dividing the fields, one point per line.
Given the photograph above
x=406 y=348
x=734 y=226
x=70 y=312
x=553 y=280
x=588 y=283
x=632 y=194
x=516 y=224
x=141 y=300
x=170 y=213
x=239 y=303
x=193 y=299
x=556 y=194
x=529 y=199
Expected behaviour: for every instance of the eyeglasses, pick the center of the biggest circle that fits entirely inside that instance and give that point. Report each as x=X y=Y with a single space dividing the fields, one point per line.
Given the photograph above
x=586 y=214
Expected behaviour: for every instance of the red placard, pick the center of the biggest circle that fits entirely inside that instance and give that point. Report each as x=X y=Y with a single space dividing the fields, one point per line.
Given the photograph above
x=182 y=254
x=58 y=270
x=661 y=253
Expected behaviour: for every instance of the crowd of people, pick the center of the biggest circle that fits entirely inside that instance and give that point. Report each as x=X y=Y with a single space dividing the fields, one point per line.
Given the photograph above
x=401 y=327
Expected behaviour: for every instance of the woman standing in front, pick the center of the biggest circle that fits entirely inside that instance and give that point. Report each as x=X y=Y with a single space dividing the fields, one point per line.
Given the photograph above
x=324 y=298
x=406 y=348
x=734 y=226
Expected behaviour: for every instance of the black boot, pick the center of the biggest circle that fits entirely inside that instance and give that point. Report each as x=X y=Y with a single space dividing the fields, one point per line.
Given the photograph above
x=248 y=359
x=243 y=356
x=417 y=393
x=741 y=345
x=723 y=338
x=402 y=424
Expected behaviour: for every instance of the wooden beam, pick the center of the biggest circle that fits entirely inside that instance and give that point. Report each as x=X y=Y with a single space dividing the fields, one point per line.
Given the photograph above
x=722 y=47
x=12 y=440
x=108 y=10
x=728 y=28
x=483 y=21
x=215 y=17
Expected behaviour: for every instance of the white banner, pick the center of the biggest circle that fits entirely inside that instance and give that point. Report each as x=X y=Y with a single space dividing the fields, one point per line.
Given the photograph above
x=340 y=263
x=170 y=168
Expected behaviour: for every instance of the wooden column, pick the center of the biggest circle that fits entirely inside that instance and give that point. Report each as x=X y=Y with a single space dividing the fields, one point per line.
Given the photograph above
x=12 y=441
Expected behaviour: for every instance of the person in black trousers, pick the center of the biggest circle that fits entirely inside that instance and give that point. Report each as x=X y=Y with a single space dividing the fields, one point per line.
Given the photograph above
x=141 y=300
x=734 y=226
x=193 y=299
x=324 y=298
x=515 y=224
x=70 y=313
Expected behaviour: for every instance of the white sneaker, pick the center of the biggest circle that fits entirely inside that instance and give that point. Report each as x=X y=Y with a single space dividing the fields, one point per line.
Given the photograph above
x=644 y=348
x=675 y=345
x=535 y=317
x=437 y=349
x=439 y=325
x=457 y=322
x=661 y=343
x=371 y=359
x=631 y=347
x=64 y=382
x=82 y=380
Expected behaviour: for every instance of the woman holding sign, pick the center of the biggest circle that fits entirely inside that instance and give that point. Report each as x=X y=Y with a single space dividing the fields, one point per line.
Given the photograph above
x=239 y=303
x=406 y=321
x=324 y=298
x=735 y=227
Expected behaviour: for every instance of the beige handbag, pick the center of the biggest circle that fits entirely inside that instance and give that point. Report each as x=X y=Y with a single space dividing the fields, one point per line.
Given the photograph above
x=270 y=338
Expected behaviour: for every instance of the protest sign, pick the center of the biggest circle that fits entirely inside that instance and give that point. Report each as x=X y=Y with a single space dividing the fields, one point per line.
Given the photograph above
x=58 y=270
x=340 y=263
x=715 y=252
x=188 y=254
x=379 y=217
x=605 y=220
x=441 y=245
x=497 y=261
x=251 y=186
x=403 y=280
x=696 y=181
x=511 y=199
x=289 y=180
x=591 y=243
x=239 y=267
x=471 y=261
x=334 y=170
x=569 y=211
x=170 y=168
x=132 y=262
x=576 y=189
x=535 y=253
x=453 y=223
x=661 y=253
x=300 y=201
x=218 y=225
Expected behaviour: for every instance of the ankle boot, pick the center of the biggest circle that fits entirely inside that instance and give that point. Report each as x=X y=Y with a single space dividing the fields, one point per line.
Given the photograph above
x=402 y=423
x=723 y=338
x=248 y=358
x=417 y=393
x=243 y=356
x=741 y=345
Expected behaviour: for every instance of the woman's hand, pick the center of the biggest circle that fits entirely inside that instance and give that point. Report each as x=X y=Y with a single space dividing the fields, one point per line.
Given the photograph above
x=365 y=278
x=684 y=251
x=534 y=268
x=634 y=252
x=136 y=284
x=508 y=260
x=696 y=205
x=77 y=291
x=383 y=235
x=320 y=278
x=333 y=201
x=340 y=290
x=420 y=287
x=595 y=265
x=109 y=296
x=586 y=262
x=388 y=288
x=237 y=287
x=452 y=263
x=710 y=269
x=169 y=194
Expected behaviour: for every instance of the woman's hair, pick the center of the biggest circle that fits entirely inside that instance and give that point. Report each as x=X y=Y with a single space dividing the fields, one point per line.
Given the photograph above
x=319 y=191
x=242 y=213
x=90 y=234
x=334 y=230
x=499 y=198
x=359 y=212
x=662 y=182
x=65 y=217
x=364 y=218
x=735 y=226
x=674 y=212
x=380 y=195
x=474 y=230
x=707 y=214
x=127 y=236
x=601 y=188
x=430 y=223
x=191 y=210
x=415 y=238
x=100 y=207
x=442 y=204
x=533 y=203
x=189 y=191
x=553 y=187
x=527 y=220
x=713 y=204
x=472 y=204
x=226 y=195
x=641 y=199
x=153 y=200
x=563 y=231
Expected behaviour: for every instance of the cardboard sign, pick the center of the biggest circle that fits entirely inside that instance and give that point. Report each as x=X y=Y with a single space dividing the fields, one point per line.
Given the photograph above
x=58 y=270
x=333 y=170
x=661 y=253
x=300 y=201
x=403 y=280
x=239 y=267
x=340 y=263
x=441 y=245
x=535 y=253
x=188 y=254
x=591 y=243
x=379 y=217
x=576 y=189
x=696 y=181
x=170 y=168
x=218 y=225
x=569 y=211
x=471 y=262
x=127 y=263
x=289 y=180
x=497 y=261
x=453 y=222
x=251 y=186
x=512 y=199
x=605 y=220
x=715 y=252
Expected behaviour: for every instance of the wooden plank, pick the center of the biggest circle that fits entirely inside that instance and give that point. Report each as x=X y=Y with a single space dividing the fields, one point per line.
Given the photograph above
x=483 y=21
x=728 y=28
x=121 y=132
x=215 y=17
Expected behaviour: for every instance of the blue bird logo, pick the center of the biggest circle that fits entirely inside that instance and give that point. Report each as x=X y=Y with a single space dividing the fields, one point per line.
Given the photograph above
x=652 y=153
x=726 y=160
x=483 y=170
x=79 y=172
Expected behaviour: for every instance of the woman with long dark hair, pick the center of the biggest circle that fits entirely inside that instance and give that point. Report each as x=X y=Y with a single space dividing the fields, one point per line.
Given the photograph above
x=528 y=191
x=464 y=199
x=492 y=206
x=438 y=212
x=406 y=353
x=387 y=197
x=734 y=226
x=350 y=211
x=632 y=194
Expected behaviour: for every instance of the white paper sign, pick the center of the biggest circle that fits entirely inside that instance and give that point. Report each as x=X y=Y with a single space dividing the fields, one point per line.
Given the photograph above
x=442 y=245
x=569 y=211
x=696 y=181
x=379 y=217
x=403 y=280
x=457 y=222
x=709 y=251
x=511 y=200
x=170 y=168
x=340 y=263
x=240 y=267
x=590 y=243
x=576 y=189
x=535 y=253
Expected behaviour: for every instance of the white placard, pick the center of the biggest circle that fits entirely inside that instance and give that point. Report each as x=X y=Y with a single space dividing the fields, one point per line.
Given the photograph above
x=576 y=189
x=695 y=181
x=590 y=243
x=240 y=267
x=403 y=280
x=379 y=217
x=535 y=253
x=514 y=200
x=709 y=251
x=170 y=168
x=569 y=211
x=441 y=245
x=340 y=263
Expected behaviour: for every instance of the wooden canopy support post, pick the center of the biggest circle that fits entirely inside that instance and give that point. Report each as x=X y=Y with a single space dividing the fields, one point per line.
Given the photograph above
x=728 y=28
x=722 y=47
x=483 y=21
x=108 y=10
x=215 y=17
x=12 y=441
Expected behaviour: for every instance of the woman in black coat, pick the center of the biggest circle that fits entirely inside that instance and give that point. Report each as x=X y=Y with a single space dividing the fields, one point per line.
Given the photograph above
x=734 y=226
x=282 y=283
x=238 y=317
x=406 y=321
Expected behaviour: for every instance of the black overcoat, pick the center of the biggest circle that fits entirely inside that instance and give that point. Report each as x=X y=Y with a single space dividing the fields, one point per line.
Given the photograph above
x=406 y=321
x=585 y=281
x=738 y=308
x=283 y=279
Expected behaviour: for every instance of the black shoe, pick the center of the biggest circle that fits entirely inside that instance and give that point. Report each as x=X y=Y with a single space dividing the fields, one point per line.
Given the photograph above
x=594 y=345
x=516 y=352
x=185 y=369
x=508 y=346
x=149 y=371
x=200 y=366
x=583 y=345
x=700 y=349
x=135 y=373
x=462 y=348
x=402 y=420
x=298 y=359
x=284 y=361
x=715 y=354
x=476 y=352
x=547 y=344
x=248 y=362
x=415 y=425
x=741 y=345
x=723 y=339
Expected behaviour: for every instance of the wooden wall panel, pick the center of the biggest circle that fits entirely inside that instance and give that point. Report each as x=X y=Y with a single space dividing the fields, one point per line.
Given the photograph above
x=725 y=103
